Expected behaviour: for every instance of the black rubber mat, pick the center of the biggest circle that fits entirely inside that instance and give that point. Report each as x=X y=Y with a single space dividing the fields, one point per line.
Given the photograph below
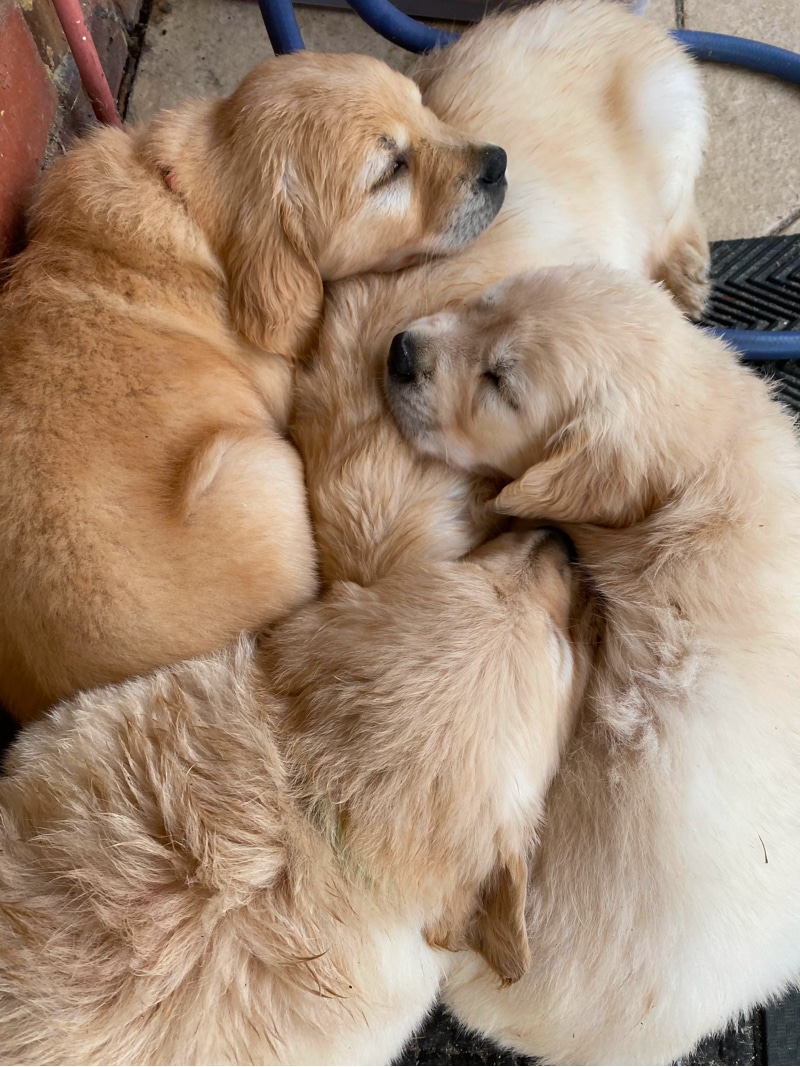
x=782 y=1031
x=443 y=1041
x=757 y=287
x=756 y=284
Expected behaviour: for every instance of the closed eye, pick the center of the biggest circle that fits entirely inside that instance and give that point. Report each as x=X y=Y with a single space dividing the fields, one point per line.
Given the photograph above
x=500 y=385
x=396 y=169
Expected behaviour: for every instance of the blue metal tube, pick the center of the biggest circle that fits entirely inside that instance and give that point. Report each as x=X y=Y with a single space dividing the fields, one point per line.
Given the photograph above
x=410 y=33
x=281 y=23
x=761 y=346
x=740 y=52
x=401 y=29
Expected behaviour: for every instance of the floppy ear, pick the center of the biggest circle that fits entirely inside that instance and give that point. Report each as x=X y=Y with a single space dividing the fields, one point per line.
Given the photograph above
x=495 y=926
x=499 y=932
x=581 y=479
x=274 y=287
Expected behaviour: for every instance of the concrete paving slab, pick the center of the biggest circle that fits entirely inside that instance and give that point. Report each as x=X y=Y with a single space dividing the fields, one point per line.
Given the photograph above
x=751 y=181
x=201 y=47
x=325 y=30
x=196 y=48
x=663 y=13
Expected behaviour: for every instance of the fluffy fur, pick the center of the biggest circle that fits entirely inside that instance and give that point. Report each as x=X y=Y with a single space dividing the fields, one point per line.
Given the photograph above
x=603 y=122
x=664 y=893
x=150 y=505
x=177 y=842
x=254 y=858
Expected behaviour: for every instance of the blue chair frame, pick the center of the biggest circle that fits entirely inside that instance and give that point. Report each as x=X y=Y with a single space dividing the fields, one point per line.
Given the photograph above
x=415 y=36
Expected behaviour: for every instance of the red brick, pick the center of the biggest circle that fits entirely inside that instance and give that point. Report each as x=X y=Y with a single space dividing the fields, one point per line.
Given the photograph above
x=27 y=109
x=46 y=31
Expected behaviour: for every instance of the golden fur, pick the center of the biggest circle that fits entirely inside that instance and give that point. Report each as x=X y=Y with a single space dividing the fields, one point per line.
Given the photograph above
x=603 y=122
x=150 y=505
x=664 y=892
x=252 y=858
x=158 y=786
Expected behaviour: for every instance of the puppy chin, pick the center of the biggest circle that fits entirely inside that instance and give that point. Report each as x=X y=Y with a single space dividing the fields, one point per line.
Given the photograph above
x=410 y=413
x=472 y=218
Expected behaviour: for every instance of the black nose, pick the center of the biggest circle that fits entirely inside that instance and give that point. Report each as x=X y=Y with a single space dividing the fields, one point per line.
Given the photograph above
x=493 y=165
x=403 y=359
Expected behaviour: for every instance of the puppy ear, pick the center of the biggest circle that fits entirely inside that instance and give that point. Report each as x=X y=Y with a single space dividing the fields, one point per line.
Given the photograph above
x=274 y=287
x=581 y=479
x=493 y=925
x=551 y=487
x=499 y=932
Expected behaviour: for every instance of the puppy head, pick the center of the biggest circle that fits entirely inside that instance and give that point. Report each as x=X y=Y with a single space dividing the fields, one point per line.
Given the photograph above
x=325 y=166
x=582 y=384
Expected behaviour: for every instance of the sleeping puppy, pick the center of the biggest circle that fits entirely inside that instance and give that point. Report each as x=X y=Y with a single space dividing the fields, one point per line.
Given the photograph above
x=150 y=506
x=664 y=892
x=254 y=858
x=602 y=117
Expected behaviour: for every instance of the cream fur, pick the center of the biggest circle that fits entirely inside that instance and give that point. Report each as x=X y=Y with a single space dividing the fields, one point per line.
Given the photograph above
x=665 y=889
x=603 y=121
x=252 y=858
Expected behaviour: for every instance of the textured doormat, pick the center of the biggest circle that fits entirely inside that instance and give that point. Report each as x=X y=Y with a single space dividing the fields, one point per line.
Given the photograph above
x=757 y=287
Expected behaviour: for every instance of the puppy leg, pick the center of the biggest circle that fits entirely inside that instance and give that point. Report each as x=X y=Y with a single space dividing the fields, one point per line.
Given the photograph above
x=244 y=526
x=228 y=548
x=404 y=691
x=669 y=110
x=685 y=266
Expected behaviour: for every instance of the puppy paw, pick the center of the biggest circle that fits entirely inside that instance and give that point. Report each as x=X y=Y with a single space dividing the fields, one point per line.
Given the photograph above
x=686 y=272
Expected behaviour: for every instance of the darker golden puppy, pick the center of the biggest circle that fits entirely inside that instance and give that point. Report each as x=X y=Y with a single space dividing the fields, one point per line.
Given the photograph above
x=150 y=505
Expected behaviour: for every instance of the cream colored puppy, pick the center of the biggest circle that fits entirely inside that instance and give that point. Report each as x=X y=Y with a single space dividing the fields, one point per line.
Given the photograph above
x=665 y=889
x=261 y=857
x=603 y=119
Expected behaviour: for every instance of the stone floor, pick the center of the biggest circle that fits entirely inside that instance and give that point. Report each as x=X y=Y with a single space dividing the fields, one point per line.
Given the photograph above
x=751 y=182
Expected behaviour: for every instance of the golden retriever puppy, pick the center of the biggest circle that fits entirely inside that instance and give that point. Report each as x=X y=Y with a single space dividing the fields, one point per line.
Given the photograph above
x=150 y=505
x=602 y=117
x=261 y=856
x=664 y=893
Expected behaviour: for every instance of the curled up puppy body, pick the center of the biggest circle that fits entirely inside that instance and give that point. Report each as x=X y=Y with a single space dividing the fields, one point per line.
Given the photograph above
x=263 y=856
x=150 y=505
x=603 y=120
x=664 y=888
